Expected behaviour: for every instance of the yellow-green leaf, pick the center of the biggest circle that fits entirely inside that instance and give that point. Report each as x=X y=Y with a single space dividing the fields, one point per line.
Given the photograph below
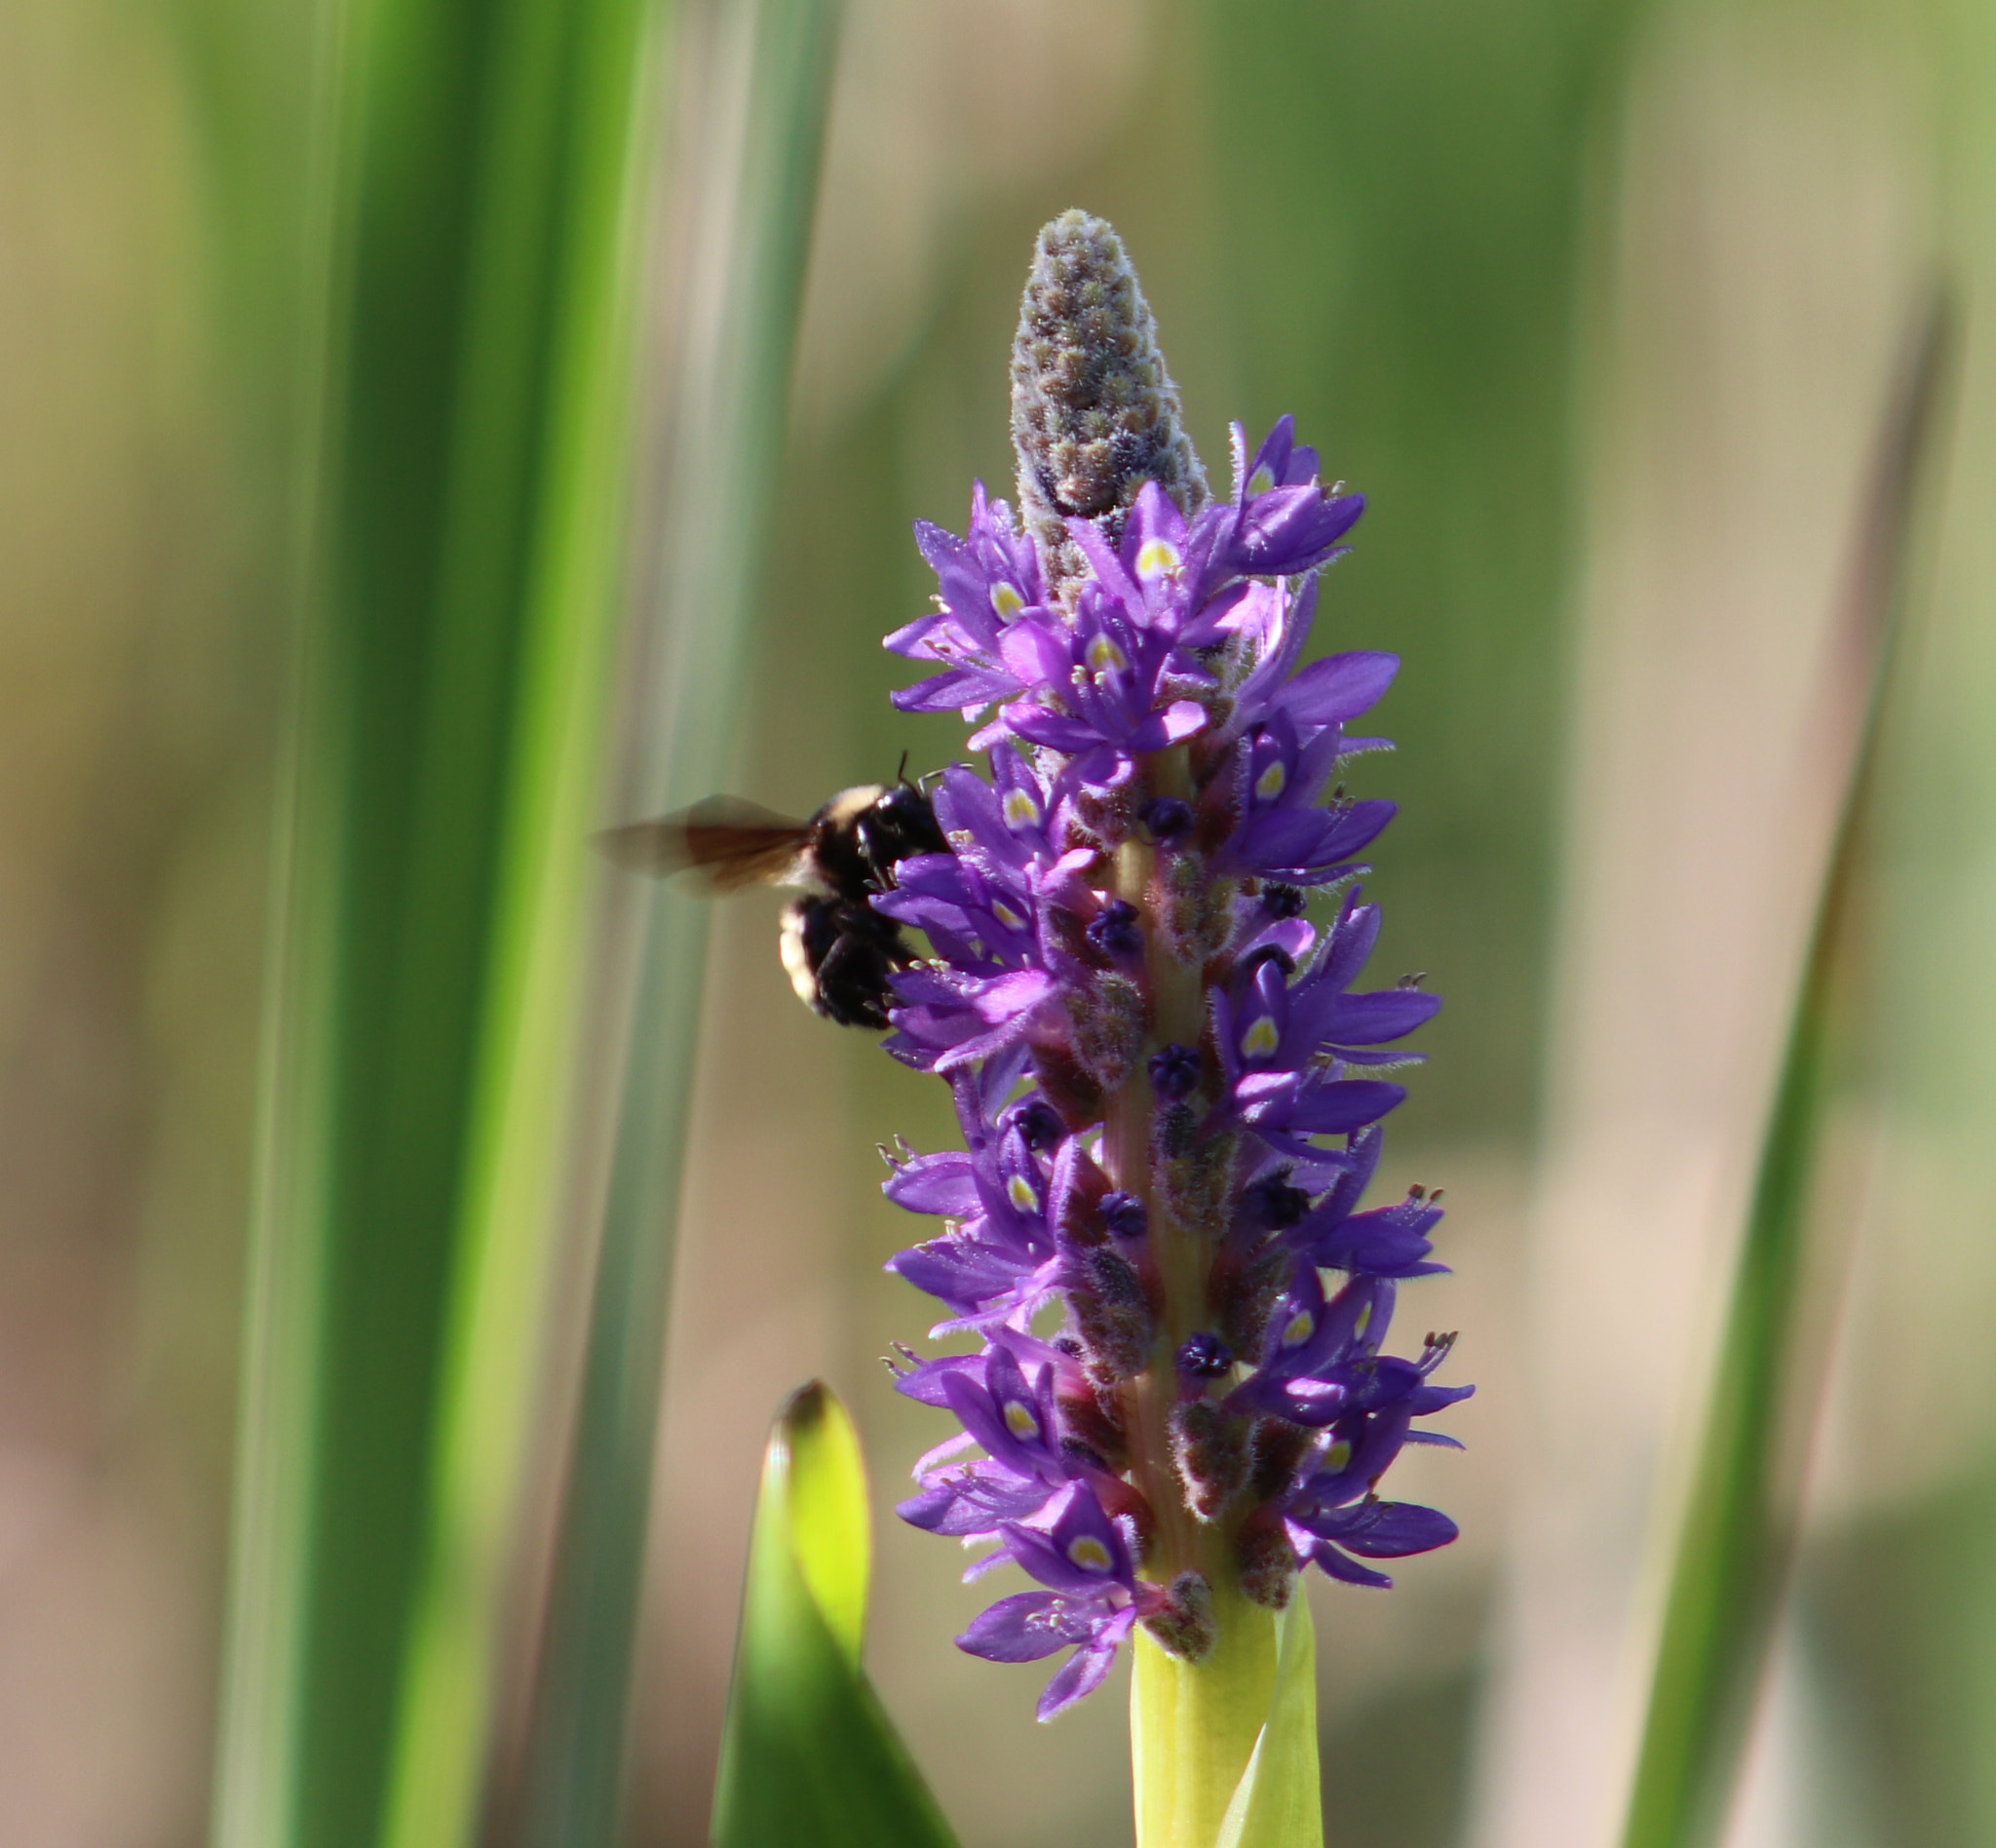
x=1277 y=1804
x=810 y=1755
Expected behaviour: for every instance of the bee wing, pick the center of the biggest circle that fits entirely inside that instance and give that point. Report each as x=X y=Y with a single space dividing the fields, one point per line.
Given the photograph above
x=728 y=843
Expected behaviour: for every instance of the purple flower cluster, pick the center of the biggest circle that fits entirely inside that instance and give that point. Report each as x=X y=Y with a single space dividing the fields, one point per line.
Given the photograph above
x=1167 y=1087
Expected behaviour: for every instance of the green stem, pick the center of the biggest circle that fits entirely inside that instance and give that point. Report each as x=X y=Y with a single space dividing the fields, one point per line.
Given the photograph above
x=1193 y=1724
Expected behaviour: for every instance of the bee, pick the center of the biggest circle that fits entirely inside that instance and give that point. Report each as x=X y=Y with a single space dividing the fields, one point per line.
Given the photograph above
x=839 y=952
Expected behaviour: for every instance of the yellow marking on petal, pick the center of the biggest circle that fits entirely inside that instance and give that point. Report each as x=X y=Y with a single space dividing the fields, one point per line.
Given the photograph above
x=1260 y=1040
x=1269 y=783
x=1020 y=1191
x=1020 y=1422
x=1007 y=916
x=1103 y=654
x=1261 y=481
x=1159 y=559
x=1089 y=1553
x=1363 y=1323
x=1301 y=1327
x=1020 y=810
x=962 y=839
x=1338 y=1456
x=1007 y=601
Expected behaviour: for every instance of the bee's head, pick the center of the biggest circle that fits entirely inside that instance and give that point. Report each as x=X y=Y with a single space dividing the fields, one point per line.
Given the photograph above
x=900 y=824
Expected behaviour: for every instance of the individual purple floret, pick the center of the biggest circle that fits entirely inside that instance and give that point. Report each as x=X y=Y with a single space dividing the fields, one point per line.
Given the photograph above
x=1146 y=944
x=1095 y=1601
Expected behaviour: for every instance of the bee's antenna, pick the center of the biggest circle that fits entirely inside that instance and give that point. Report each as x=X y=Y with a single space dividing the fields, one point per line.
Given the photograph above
x=900 y=773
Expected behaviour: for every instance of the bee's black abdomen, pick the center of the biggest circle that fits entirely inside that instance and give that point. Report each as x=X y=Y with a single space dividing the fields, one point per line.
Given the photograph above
x=841 y=956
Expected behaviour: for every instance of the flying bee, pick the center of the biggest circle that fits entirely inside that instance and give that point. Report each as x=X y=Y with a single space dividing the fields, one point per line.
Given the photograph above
x=839 y=952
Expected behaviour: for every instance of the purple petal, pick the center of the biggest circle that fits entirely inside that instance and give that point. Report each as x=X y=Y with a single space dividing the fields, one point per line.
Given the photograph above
x=945 y=1185
x=1371 y=1019
x=1338 y=689
x=1084 y=1673
x=1025 y=1627
x=1392 y=1530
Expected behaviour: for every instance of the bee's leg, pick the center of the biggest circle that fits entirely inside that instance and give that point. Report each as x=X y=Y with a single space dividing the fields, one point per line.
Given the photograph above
x=852 y=984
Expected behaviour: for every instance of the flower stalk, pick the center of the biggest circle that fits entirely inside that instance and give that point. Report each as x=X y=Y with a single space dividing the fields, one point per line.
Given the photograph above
x=1179 y=1396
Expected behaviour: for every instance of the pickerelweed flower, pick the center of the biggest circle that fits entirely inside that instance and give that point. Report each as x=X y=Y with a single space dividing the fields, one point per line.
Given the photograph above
x=1168 y=1084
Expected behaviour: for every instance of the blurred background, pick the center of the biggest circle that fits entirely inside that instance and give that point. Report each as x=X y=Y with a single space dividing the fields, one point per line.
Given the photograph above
x=1600 y=304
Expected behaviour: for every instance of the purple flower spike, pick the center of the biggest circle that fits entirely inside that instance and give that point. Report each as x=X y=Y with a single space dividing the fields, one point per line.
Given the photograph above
x=1160 y=1049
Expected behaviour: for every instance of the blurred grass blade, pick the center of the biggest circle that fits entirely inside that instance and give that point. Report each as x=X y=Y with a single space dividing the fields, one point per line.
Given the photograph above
x=1739 y=1533
x=809 y=1755
x=754 y=86
x=1278 y=1802
x=454 y=688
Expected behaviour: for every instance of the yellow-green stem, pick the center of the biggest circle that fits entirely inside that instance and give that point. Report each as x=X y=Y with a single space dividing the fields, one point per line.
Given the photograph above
x=1192 y=1725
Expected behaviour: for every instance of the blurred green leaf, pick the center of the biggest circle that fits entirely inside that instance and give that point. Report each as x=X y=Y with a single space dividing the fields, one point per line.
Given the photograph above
x=824 y=1486
x=755 y=76
x=1735 y=1551
x=450 y=736
x=809 y=1754
x=1278 y=1804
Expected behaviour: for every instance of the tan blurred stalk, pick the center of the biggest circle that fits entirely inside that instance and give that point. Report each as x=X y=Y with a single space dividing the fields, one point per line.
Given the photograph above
x=140 y=525
x=1772 y=233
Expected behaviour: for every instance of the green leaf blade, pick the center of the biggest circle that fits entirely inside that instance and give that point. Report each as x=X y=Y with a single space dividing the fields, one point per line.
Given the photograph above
x=1739 y=1533
x=1279 y=1803
x=810 y=1755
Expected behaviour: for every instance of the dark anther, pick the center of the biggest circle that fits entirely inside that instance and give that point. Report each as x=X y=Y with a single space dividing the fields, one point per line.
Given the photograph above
x=1040 y=1124
x=1261 y=953
x=1284 y=900
x=1113 y=929
x=1417 y=1192
x=1174 y=1071
x=1413 y=981
x=1272 y=1204
x=1126 y=1216
x=1166 y=818
x=1204 y=1356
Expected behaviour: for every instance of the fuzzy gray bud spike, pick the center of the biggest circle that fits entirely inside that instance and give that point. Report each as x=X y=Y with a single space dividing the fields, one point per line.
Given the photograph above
x=1094 y=414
